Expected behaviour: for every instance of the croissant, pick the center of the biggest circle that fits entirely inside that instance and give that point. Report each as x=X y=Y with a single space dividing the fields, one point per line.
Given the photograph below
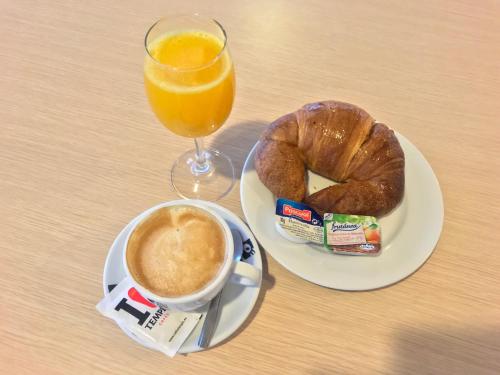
x=339 y=141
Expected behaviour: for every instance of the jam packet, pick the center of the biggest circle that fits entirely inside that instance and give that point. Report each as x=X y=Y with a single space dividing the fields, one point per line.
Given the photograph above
x=166 y=330
x=351 y=234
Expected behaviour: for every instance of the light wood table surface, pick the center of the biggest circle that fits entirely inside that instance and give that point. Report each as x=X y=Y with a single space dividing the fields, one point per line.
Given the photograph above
x=81 y=154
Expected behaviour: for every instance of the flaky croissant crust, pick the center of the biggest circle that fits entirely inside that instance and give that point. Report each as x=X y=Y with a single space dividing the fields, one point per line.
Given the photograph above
x=339 y=141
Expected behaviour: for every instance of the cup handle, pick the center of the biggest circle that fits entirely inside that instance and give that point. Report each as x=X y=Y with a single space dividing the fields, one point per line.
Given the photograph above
x=245 y=274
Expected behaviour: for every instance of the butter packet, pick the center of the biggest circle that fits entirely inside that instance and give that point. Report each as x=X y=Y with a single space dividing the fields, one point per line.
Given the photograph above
x=297 y=222
x=351 y=234
x=166 y=330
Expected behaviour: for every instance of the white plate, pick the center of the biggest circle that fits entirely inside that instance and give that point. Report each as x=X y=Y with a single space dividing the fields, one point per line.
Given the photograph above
x=237 y=301
x=409 y=233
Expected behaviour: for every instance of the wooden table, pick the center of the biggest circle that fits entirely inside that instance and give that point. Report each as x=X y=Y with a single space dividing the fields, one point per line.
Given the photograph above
x=81 y=154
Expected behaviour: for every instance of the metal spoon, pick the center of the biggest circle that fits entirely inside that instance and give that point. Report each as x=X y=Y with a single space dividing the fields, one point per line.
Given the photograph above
x=208 y=329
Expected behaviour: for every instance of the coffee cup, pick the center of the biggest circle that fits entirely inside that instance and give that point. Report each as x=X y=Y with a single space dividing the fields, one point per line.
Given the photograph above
x=181 y=254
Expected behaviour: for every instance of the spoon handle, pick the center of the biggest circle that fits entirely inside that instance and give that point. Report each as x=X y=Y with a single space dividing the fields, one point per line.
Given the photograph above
x=208 y=328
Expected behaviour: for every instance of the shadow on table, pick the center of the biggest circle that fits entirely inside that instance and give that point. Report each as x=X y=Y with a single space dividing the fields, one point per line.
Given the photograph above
x=267 y=284
x=435 y=350
x=237 y=141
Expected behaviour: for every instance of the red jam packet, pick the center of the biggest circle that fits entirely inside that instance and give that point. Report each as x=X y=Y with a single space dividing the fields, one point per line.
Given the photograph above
x=351 y=234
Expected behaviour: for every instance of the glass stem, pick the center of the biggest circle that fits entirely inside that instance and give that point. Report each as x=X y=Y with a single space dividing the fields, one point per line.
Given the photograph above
x=201 y=164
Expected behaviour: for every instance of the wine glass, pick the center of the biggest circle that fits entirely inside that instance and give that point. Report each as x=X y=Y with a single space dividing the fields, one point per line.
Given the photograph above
x=190 y=84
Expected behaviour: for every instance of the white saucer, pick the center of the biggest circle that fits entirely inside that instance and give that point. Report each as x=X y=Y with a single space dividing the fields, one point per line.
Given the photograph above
x=237 y=301
x=409 y=233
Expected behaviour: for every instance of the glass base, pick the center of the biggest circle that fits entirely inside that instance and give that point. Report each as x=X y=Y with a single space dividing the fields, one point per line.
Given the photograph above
x=212 y=182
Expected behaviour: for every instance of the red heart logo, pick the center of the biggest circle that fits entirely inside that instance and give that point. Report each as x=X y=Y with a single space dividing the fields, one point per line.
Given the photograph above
x=134 y=295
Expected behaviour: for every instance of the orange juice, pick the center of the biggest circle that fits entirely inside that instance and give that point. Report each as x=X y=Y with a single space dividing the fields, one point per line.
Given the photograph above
x=189 y=79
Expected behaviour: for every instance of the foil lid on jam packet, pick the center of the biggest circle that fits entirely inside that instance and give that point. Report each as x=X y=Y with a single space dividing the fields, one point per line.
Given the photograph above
x=298 y=222
x=351 y=234
x=166 y=330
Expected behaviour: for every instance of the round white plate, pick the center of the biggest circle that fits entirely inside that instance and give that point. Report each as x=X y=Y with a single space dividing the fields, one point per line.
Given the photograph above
x=409 y=233
x=237 y=301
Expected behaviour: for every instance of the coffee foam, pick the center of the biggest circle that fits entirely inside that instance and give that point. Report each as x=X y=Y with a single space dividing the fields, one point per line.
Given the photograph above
x=176 y=251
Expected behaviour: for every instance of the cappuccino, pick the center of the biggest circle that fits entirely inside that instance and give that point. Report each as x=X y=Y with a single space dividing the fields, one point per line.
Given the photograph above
x=176 y=251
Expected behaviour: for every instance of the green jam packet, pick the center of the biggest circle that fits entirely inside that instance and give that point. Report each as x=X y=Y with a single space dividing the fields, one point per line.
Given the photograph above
x=351 y=234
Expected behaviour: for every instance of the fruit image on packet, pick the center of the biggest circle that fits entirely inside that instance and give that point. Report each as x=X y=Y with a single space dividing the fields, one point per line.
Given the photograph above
x=351 y=234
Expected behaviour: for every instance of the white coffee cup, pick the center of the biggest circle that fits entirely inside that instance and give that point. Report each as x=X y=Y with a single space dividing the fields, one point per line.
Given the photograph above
x=230 y=270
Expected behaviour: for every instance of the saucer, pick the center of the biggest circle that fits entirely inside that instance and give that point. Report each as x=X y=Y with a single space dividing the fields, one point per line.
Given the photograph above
x=409 y=233
x=237 y=301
